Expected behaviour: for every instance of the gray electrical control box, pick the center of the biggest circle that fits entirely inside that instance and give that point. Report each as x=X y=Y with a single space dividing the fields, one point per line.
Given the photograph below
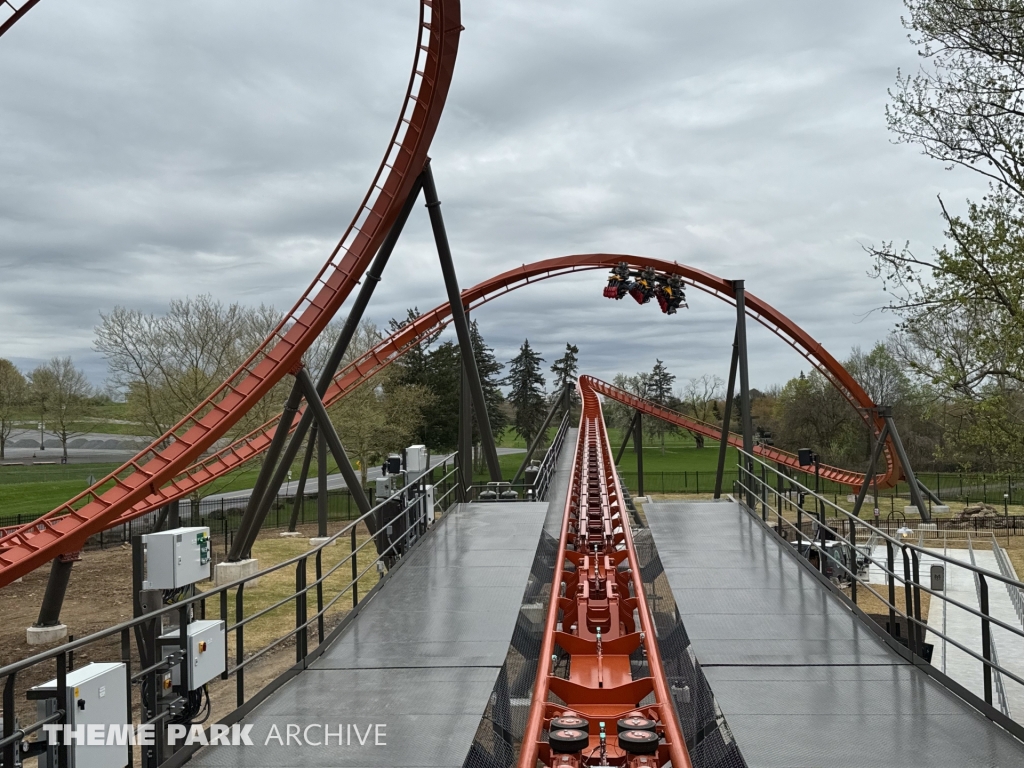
x=97 y=700
x=177 y=558
x=206 y=653
x=417 y=459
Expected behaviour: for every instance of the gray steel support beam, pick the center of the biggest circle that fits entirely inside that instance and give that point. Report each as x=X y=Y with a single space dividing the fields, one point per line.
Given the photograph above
x=638 y=444
x=278 y=471
x=465 y=437
x=741 y=351
x=56 y=588
x=451 y=283
x=876 y=452
x=321 y=484
x=249 y=525
x=557 y=403
x=628 y=436
x=300 y=490
x=316 y=405
x=723 y=444
x=908 y=471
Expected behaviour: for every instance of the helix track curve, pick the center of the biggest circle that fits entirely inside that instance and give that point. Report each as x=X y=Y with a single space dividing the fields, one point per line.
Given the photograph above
x=67 y=527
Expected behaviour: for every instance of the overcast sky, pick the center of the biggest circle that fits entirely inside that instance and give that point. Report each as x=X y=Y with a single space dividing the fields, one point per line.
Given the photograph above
x=151 y=151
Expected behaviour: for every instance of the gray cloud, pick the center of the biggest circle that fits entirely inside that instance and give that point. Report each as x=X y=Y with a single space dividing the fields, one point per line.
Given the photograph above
x=156 y=151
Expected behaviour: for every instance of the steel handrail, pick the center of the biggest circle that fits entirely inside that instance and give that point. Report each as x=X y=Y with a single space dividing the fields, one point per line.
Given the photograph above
x=903 y=579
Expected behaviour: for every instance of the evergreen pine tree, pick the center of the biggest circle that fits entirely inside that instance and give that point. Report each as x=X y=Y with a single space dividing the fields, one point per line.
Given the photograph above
x=659 y=390
x=489 y=367
x=527 y=391
x=566 y=368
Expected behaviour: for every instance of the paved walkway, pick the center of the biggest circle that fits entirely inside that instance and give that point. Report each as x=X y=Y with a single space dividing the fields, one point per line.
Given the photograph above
x=801 y=681
x=421 y=659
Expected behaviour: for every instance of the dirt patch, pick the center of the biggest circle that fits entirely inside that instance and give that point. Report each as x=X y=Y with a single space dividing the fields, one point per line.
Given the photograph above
x=99 y=597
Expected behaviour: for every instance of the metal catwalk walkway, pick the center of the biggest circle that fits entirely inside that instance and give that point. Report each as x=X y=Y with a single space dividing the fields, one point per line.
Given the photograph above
x=421 y=658
x=801 y=681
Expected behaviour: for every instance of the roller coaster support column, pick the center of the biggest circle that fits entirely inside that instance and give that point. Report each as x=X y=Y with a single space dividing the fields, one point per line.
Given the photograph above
x=56 y=587
x=321 y=484
x=741 y=353
x=300 y=489
x=465 y=437
x=638 y=446
x=908 y=472
x=323 y=421
x=723 y=443
x=260 y=503
x=628 y=436
x=557 y=403
x=250 y=523
x=876 y=452
x=451 y=283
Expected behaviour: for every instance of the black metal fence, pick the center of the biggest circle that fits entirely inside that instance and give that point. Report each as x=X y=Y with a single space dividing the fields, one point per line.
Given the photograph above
x=961 y=488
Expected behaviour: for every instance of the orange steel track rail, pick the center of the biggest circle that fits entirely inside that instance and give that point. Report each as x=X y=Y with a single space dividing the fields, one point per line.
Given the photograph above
x=836 y=474
x=390 y=349
x=597 y=621
x=67 y=528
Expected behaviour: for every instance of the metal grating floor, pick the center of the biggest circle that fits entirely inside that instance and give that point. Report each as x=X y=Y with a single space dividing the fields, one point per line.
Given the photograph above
x=422 y=657
x=801 y=681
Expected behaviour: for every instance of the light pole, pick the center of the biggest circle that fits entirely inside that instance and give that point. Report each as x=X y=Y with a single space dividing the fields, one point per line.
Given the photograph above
x=1006 y=516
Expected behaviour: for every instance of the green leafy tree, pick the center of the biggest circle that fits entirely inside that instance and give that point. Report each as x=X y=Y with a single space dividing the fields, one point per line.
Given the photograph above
x=962 y=323
x=62 y=393
x=526 y=393
x=13 y=395
x=379 y=417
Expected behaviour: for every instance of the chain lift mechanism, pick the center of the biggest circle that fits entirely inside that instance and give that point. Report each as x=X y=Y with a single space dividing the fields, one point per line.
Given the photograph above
x=645 y=284
x=596 y=705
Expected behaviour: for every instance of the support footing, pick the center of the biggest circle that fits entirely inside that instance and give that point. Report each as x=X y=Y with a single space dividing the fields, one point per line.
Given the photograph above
x=316 y=541
x=225 y=573
x=291 y=534
x=46 y=635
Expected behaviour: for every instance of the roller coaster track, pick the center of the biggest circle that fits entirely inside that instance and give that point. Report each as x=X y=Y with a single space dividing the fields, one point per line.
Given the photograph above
x=591 y=632
x=835 y=474
x=67 y=527
x=393 y=347
x=17 y=11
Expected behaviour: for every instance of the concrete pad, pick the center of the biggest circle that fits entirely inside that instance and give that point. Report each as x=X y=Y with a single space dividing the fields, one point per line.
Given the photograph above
x=46 y=635
x=225 y=573
x=290 y=534
x=316 y=541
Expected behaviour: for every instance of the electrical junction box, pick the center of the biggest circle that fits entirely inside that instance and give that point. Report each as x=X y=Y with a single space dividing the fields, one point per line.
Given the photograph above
x=177 y=558
x=428 y=499
x=207 y=653
x=97 y=697
x=417 y=460
x=938 y=578
x=384 y=487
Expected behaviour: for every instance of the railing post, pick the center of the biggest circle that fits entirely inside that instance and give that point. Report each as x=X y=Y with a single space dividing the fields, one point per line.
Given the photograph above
x=908 y=596
x=355 y=571
x=854 y=565
x=224 y=618
x=319 y=597
x=63 y=759
x=763 y=494
x=986 y=637
x=8 y=756
x=918 y=629
x=239 y=647
x=891 y=578
x=300 y=610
